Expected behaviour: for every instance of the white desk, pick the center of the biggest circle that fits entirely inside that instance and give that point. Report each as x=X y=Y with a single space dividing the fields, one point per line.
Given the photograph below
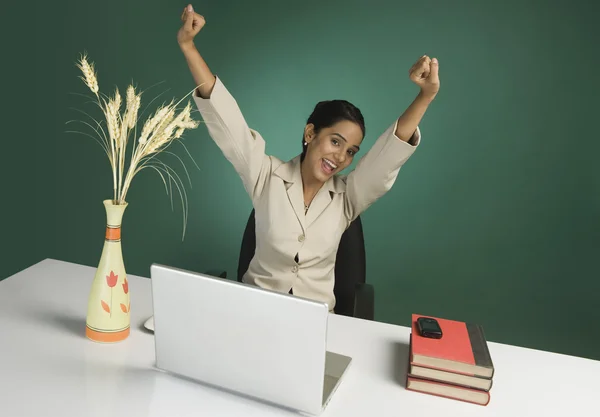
x=48 y=367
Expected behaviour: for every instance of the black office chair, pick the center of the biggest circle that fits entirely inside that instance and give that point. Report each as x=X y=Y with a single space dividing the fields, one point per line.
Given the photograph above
x=354 y=297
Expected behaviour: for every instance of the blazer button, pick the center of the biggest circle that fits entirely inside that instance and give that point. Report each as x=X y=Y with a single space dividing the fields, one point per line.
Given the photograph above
x=301 y=238
x=295 y=269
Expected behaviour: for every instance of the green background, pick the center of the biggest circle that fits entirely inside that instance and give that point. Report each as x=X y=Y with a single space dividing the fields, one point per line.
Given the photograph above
x=496 y=218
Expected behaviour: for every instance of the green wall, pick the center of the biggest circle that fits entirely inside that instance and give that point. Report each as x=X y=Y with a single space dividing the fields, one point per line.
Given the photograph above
x=496 y=218
x=23 y=172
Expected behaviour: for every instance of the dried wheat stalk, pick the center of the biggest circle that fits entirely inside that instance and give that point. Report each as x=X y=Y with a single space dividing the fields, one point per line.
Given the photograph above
x=159 y=131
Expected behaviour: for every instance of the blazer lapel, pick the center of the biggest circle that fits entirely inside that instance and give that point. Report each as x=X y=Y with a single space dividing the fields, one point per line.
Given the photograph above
x=296 y=197
x=323 y=198
x=318 y=205
x=290 y=173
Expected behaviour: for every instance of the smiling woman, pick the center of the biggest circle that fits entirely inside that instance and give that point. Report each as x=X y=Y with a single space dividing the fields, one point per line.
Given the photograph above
x=303 y=206
x=332 y=136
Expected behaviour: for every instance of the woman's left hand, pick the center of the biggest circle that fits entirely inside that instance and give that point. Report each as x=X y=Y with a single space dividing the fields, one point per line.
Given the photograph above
x=424 y=73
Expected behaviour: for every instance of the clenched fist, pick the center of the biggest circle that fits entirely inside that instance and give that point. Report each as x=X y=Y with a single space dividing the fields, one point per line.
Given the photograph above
x=424 y=73
x=192 y=24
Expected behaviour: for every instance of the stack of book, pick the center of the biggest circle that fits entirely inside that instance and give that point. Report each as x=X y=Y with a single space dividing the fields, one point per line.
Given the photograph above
x=456 y=366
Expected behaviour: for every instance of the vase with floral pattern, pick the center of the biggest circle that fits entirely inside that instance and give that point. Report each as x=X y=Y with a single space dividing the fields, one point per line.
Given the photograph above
x=108 y=304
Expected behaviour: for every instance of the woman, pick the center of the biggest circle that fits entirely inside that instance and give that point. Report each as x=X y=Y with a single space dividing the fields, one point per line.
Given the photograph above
x=303 y=206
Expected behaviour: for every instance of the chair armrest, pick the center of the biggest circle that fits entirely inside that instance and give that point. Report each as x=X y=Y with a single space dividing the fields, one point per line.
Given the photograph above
x=217 y=273
x=364 y=302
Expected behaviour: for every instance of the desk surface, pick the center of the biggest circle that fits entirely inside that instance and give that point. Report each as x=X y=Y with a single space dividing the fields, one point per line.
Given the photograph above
x=48 y=366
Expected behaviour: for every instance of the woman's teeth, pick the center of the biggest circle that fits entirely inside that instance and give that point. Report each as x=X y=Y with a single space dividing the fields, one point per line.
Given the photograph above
x=331 y=164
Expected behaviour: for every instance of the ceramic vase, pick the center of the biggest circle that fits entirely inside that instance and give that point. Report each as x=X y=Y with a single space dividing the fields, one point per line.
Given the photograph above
x=108 y=305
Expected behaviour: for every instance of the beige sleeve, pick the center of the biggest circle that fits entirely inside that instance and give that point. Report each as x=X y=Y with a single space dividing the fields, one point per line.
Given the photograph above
x=377 y=171
x=242 y=146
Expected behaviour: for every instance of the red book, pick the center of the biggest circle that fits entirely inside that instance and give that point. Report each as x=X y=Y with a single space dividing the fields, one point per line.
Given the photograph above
x=462 y=349
x=448 y=391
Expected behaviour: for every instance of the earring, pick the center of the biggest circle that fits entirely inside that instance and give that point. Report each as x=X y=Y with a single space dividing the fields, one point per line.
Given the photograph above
x=305 y=143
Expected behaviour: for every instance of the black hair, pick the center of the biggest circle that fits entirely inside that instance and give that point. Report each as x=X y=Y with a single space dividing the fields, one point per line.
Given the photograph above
x=327 y=113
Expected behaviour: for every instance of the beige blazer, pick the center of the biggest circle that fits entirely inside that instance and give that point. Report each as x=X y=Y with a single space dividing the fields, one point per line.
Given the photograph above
x=275 y=188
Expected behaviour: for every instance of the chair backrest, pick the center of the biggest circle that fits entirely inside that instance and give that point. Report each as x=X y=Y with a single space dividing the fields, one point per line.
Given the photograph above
x=350 y=264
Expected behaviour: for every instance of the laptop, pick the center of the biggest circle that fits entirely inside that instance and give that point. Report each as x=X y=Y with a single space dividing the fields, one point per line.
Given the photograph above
x=258 y=343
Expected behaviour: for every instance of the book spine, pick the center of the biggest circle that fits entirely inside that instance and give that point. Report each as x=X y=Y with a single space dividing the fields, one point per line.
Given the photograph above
x=479 y=346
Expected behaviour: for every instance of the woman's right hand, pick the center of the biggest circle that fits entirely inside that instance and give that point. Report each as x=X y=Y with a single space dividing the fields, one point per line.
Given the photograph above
x=192 y=24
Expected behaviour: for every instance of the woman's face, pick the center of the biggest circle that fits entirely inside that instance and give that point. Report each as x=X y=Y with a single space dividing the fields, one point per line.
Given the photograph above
x=331 y=150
